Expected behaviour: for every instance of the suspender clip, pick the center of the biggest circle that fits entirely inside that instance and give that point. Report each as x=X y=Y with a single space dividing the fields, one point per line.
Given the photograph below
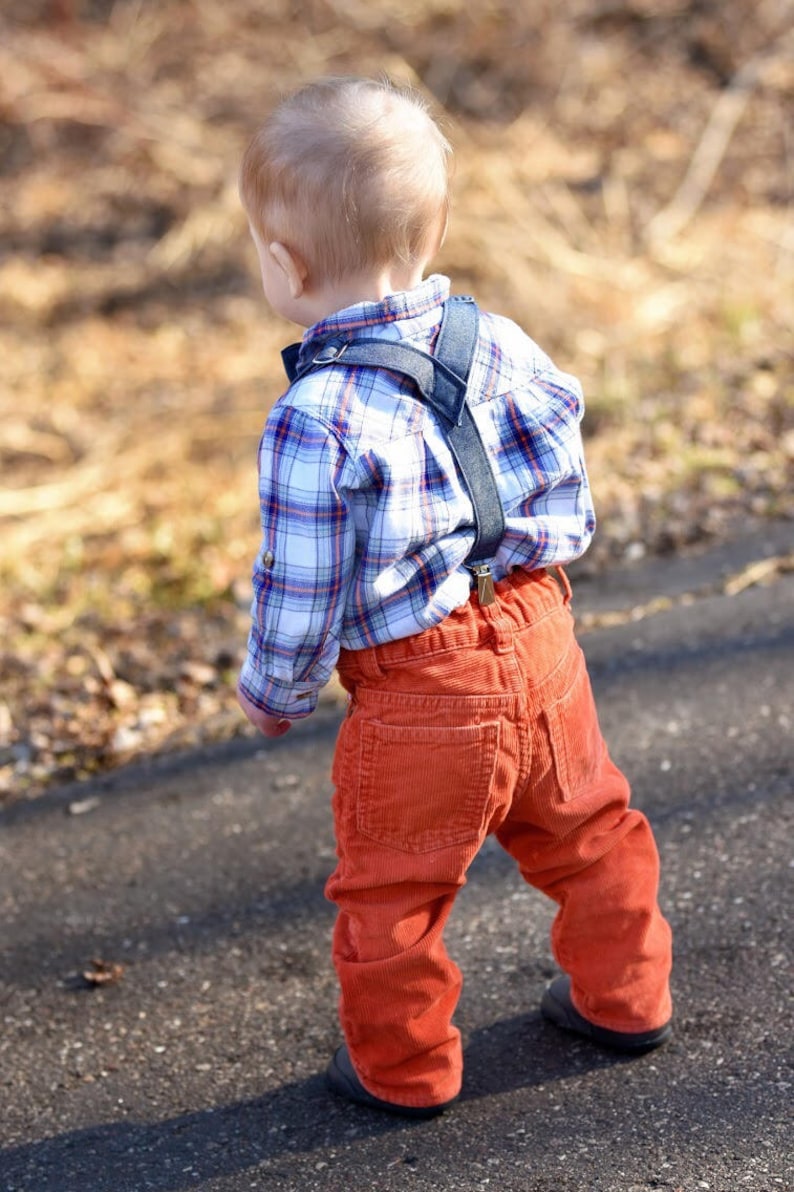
x=486 y=593
x=330 y=352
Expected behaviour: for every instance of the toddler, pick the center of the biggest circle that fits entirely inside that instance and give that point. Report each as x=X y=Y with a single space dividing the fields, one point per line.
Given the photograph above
x=421 y=485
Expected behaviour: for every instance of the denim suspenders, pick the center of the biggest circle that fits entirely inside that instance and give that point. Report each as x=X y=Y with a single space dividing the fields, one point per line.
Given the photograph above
x=441 y=381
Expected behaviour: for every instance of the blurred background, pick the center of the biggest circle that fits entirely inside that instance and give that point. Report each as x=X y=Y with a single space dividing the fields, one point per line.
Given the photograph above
x=623 y=189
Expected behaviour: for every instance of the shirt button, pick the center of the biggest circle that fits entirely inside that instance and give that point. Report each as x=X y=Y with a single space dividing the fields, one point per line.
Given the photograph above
x=267 y=559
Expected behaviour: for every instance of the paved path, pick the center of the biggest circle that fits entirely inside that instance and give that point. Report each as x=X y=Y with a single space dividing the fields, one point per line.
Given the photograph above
x=203 y=876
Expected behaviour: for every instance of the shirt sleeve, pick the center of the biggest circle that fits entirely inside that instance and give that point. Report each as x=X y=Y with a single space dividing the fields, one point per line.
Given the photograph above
x=303 y=571
x=561 y=507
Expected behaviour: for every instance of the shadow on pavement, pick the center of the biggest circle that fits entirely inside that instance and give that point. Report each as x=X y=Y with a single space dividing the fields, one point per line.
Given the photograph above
x=295 y=1119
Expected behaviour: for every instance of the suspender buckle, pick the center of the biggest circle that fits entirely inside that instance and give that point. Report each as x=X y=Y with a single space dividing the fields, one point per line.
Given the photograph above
x=486 y=593
x=330 y=352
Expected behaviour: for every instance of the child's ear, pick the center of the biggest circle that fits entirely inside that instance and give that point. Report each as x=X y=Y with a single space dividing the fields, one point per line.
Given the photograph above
x=444 y=230
x=442 y=234
x=291 y=265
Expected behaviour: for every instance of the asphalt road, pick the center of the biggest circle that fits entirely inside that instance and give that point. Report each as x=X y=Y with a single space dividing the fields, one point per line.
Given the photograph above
x=201 y=1066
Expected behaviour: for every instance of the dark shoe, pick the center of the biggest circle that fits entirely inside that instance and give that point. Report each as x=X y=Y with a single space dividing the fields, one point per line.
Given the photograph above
x=343 y=1080
x=558 y=1008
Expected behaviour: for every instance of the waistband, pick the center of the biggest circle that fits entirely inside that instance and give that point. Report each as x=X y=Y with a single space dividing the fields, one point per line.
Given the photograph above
x=522 y=599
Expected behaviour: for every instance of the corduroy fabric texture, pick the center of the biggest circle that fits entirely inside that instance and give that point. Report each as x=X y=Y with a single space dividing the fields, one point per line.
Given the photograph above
x=484 y=724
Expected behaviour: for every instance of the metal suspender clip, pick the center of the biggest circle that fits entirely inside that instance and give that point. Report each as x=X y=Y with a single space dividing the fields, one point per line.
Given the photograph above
x=330 y=352
x=486 y=593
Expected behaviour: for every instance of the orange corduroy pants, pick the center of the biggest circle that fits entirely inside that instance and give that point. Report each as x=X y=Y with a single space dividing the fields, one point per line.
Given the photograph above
x=484 y=724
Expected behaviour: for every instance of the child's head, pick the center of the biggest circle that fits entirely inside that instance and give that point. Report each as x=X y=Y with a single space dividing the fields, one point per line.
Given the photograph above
x=351 y=175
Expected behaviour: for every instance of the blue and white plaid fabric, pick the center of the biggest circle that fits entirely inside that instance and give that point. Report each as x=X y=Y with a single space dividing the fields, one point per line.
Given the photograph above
x=365 y=524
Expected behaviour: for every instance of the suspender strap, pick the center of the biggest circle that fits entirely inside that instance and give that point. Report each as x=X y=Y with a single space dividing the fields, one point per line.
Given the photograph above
x=441 y=380
x=455 y=348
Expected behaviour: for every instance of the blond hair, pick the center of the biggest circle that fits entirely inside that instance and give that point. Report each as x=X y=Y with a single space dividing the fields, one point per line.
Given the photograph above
x=350 y=173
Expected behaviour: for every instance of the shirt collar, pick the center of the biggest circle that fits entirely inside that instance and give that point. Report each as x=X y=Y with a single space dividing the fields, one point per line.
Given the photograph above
x=404 y=305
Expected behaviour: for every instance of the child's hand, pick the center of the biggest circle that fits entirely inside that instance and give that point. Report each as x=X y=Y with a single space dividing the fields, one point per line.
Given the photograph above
x=271 y=726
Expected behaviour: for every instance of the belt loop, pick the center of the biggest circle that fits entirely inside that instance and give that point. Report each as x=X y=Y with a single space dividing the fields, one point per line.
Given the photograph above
x=500 y=630
x=360 y=664
x=565 y=583
x=369 y=662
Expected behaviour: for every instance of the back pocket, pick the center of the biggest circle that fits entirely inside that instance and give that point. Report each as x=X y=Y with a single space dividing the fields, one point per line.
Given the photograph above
x=424 y=788
x=576 y=742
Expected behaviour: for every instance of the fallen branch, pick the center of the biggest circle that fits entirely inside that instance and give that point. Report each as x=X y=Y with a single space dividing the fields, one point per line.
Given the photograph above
x=705 y=161
x=761 y=572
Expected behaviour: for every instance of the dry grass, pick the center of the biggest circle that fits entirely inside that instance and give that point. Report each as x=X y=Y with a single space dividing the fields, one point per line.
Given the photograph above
x=623 y=190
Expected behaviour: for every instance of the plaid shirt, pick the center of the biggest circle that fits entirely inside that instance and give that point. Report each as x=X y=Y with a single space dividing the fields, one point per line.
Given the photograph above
x=365 y=522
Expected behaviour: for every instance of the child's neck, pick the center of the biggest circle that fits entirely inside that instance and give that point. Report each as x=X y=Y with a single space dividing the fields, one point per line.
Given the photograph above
x=318 y=303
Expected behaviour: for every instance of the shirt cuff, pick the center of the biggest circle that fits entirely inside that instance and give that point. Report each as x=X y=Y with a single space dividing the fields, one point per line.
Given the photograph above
x=275 y=698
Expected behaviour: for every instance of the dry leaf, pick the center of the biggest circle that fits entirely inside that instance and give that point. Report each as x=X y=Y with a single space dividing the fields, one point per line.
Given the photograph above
x=103 y=972
x=83 y=806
